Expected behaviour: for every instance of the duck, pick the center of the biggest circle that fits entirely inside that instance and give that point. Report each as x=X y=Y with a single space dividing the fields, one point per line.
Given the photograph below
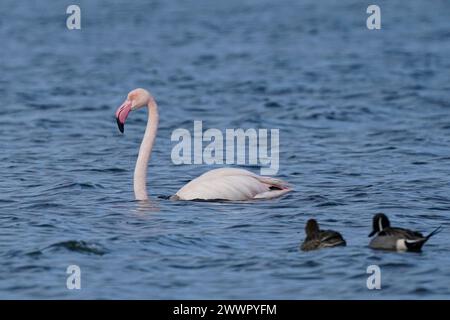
x=317 y=239
x=396 y=239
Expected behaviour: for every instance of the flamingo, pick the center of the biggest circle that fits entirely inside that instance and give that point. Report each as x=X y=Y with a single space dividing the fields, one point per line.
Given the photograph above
x=216 y=184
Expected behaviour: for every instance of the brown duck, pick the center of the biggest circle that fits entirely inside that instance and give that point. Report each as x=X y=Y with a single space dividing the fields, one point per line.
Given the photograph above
x=317 y=239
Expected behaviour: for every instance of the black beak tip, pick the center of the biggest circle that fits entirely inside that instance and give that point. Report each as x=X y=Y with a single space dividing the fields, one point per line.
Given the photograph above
x=120 y=125
x=371 y=234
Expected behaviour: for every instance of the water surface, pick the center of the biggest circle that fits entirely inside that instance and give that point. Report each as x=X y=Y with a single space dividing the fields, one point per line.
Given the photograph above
x=364 y=119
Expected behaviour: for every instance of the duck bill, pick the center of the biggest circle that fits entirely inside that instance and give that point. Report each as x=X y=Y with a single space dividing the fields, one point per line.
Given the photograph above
x=122 y=114
x=372 y=233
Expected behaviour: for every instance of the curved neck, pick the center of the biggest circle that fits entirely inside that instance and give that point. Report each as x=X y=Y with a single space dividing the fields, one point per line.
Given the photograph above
x=140 y=171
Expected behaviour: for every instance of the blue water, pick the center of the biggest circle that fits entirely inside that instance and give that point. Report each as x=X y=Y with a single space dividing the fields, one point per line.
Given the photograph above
x=364 y=119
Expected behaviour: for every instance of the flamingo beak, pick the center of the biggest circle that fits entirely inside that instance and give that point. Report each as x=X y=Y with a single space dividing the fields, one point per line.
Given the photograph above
x=122 y=114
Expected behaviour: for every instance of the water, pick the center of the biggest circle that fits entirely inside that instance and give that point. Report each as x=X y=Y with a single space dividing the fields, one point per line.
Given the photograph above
x=364 y=120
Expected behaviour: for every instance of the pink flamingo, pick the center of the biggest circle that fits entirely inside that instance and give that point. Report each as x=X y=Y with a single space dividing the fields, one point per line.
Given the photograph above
x=217 y=184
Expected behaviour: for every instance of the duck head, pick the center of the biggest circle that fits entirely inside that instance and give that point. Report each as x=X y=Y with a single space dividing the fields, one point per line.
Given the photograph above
x=379 y=222
x=311 y=228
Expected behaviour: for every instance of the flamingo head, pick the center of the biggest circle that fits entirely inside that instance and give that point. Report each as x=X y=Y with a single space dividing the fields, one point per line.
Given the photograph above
x=136 y=99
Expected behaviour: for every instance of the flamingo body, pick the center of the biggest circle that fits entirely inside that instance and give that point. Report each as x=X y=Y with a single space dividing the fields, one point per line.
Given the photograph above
x=231 y=184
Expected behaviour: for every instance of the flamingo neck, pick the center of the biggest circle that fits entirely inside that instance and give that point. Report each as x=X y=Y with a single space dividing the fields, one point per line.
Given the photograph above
x=145 y=151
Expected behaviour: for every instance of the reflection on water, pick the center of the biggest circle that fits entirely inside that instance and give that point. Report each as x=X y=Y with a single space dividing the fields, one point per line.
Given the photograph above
x=147 y=206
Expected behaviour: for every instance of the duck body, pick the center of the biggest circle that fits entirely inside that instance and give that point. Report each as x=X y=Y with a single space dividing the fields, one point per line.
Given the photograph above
x=318 y=239
x=396 y=239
